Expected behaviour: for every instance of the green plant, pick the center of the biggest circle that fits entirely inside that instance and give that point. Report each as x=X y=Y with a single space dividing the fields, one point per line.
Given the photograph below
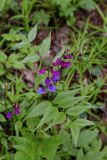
x=62 y=114
x=56 y=126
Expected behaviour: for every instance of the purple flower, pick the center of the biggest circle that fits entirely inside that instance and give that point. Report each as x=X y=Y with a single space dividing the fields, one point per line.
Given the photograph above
x=55 y=72
x=9 y=115
x=55 y=79
x=47 y=81
x=65 y=64
x=41 y=90
x=68 y=56
x=55 y=75
x=42 y=71
x=51 y=88
x=17 y=109
x=57 y=63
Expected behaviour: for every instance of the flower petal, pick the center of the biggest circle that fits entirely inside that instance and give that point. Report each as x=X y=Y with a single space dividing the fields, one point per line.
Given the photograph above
x=65 y=64
x=47 y=81
x=9 y=115
x=57 y=62
x=41 y=90
x=42 y=71
x=16 y=109
x=51 y=88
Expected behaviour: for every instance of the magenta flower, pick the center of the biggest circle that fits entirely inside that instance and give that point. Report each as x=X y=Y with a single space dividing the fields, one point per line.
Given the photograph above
x=9 y=115
x=51 y=88
x=55 y=72
x=48 y=81
x=57 y=63
x=68 y=56
x=42 y=71
x=41 y=90
x=65 y=64
x=16 y=109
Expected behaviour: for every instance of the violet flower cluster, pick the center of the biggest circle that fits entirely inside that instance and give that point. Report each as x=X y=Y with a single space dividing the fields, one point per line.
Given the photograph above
x=16 y=111
x=54 y=74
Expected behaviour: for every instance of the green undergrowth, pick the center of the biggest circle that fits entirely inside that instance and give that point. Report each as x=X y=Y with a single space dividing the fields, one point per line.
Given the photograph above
x=66 y=124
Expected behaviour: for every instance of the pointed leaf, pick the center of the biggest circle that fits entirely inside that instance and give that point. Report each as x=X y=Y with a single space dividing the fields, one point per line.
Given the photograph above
x=49 y=147
x=77 y=110
x=39 y=110
x=2 y=118
x=64 y=95
x=32 y=34
x=33 y=58
x=48 y=115
x=66 y=139
x=86 y=137
x=75 y=131
x=20 y=45
x=83 y=122
x=80 y=155
x=3 y=56
x=45 y=45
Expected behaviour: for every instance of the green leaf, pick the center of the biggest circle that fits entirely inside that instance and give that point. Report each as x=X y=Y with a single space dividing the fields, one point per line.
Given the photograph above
x=1 y=128
x=75 y=131
x=83 y=122
x=86 y=137
x=49 y=115
x=3 y=57
x=2 y=118
x=76 y=127
x=63 y=5
x=4 y=142
x=32 y=123
x=32 y=59
x=80 y=155
x=20 y=45
x=88 y=5
x=13 y=61
x=94 y=155
x=4 y=157
x=57 y=118
x=105 y=152
x=66 y=140
x=2 y=108
x=18 y=126
x=17 y=17
x=2 y=69
x=41 y=17
x=13 y=58
x=32 y=34
x=18 y=65
x=49 y=147
x=2 y=5
x=96 y=144
x=39 y=110
x=69 y=102
x=64 y=95
x=68 y=99
x=77 y=110
x=45 y=45
x=22 y=155
x=22 y=144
